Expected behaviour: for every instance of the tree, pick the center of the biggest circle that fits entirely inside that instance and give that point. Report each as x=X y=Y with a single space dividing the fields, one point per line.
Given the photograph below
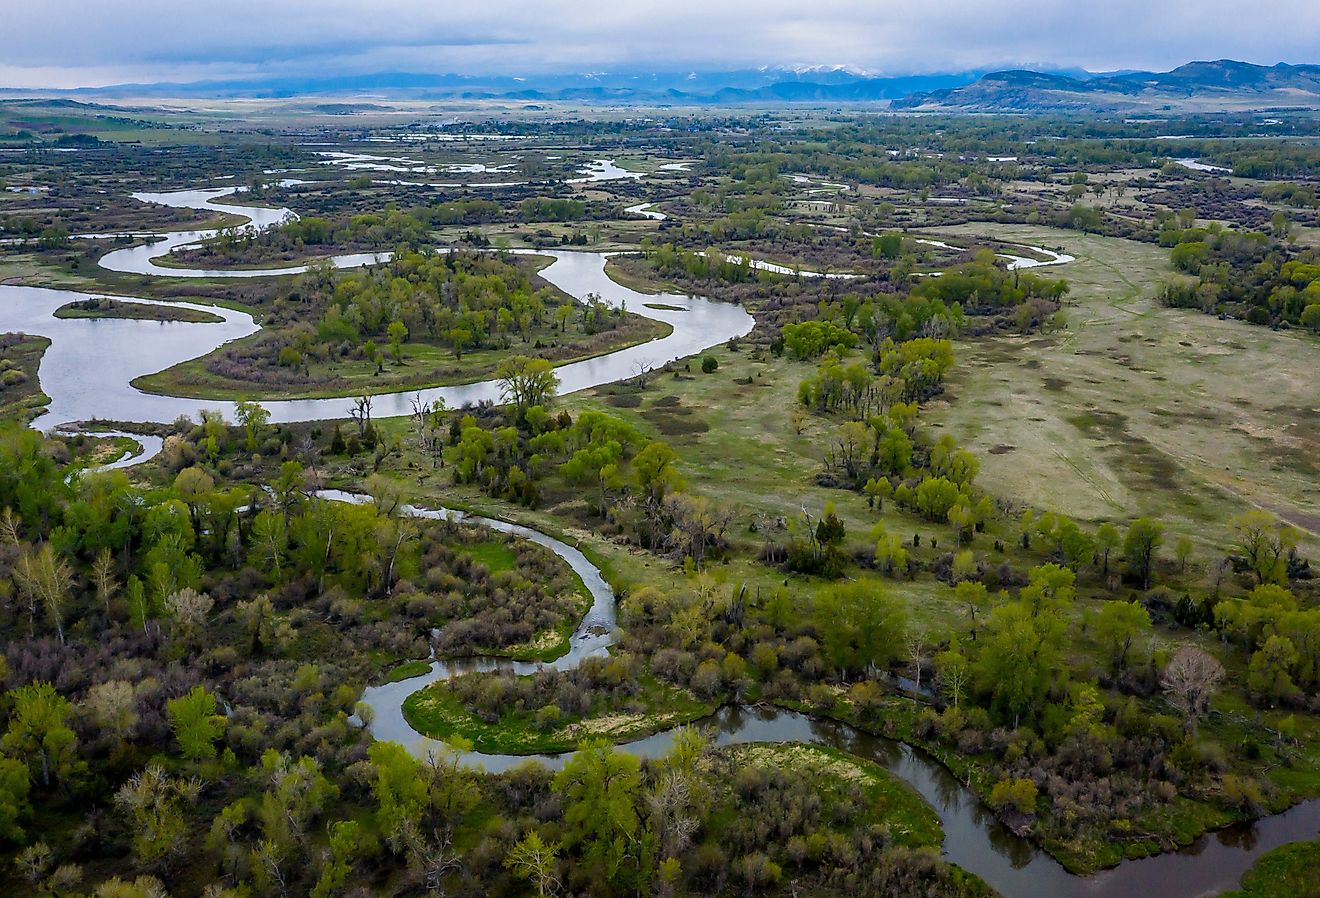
x=600 y=788
x=1117 y=626
x=1106 y=541
x=1264 y=542
x=398 y=334
x=1020 y=658
x=155 y=803
x=1183 y=550
x=655 y=472
x=1019 y=794
x=346 y=843
x=1269 y=676
x=253 y=418
x=953 y=671
x=45 y=579
x=1189 y=680
x=15 y=781
x=860 y=625
x=113 y=706
x=1144 y=537
x=196 y=725
x=39 y=732
x=188 y=609
x=535 y=860
x=525 y=382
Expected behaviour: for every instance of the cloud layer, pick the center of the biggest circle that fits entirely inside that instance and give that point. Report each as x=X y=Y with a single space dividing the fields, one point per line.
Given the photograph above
x=153 y=40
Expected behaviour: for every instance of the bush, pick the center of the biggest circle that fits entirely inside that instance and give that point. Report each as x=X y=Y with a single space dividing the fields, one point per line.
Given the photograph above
x=1019 y=794
x=709 y=364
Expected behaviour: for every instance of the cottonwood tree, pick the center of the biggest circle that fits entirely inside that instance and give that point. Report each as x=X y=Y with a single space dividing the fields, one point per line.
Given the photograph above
x=525 y=382
x=39 y=732
x=155 y=804
x=45 y=579
x=196 y=725
x=535 y=860
x=188 y=609
x=1117 y=627
x=1189 y=680
x=1265 y=543
x=1144 y=537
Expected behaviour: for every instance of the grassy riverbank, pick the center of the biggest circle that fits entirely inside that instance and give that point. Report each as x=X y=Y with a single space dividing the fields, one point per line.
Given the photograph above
x=1291 y=871
x=20 y=389
x=438 y=712
x=105 y=307
x=423 y=366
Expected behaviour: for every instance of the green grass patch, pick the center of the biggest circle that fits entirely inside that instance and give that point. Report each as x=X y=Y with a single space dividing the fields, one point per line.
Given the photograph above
x=1290 y=871
x=893 y=803
x=497 y=556
x=407 y=670
x=438 y=712
x=104 y=307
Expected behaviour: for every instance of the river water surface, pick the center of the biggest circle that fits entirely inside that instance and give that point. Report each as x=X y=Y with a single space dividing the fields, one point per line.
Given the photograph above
x=87 y=372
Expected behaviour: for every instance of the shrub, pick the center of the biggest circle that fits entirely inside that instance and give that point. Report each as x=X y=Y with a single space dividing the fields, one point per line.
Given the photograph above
x=1019 y=794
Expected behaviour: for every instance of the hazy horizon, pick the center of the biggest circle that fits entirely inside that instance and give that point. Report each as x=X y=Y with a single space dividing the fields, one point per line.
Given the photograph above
x=149 y=41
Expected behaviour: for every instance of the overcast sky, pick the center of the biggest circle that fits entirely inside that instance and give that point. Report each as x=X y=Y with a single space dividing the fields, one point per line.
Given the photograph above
x=65 y=43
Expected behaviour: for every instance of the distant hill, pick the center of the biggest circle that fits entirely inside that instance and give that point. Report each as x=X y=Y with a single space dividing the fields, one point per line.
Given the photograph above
x=816 y=84
x=1223 y=85
x=1198 y=86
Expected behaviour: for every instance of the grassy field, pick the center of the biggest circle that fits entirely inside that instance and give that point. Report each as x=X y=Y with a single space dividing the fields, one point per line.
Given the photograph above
x=436 y=711
x=109 y=308
x=20 y=390
x=1291 y=871
x=893 y=803
x=1137 y=409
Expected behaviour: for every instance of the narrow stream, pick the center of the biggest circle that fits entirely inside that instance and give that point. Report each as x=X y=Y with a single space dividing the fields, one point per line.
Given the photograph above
x=974 y=838
x=87 y=373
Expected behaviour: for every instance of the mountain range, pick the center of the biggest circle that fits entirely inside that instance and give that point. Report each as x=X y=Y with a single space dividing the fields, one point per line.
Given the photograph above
x=1222 y=85
x=1198 y=86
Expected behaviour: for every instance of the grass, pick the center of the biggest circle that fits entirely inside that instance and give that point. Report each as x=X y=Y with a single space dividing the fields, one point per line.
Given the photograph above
x=893 y=803
x=110 y=308
x=22 y=397
x=1290 y=871
x=1137 y=409
x=407 y=670
x=424 y=366
x=437 y=711
x=495 y=555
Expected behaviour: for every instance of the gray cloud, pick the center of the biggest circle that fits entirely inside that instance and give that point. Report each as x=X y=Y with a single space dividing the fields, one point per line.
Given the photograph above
x=100 y=41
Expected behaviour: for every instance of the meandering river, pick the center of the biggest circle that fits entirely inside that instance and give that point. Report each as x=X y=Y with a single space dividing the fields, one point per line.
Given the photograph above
x=974 y=839
x=87 y=373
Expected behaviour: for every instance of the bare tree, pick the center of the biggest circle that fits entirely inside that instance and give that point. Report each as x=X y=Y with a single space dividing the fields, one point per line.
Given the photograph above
x=189 y=609
x=45 y=578
x=361 y=414
x=1189 y=680
x=103 y=576
x=917 y=653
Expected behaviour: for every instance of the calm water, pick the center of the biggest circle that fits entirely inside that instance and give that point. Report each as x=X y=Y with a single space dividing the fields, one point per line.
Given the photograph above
x=87 y=372
x=974 y=839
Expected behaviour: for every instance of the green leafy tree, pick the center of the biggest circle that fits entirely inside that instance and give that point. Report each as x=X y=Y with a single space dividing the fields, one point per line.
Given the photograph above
x=534 y=859
x=1020 y=658
x=1143 y=540
x=600 y=789
x=525 y=382
x=860 y=626
x=253 y=418
x=196 y=725
x=39 y=732
x=1117 y=627
x=15 y=782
